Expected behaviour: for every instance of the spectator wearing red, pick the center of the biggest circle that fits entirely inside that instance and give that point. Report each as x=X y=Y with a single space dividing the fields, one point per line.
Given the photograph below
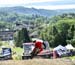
x=38 y=45
x=38 y=48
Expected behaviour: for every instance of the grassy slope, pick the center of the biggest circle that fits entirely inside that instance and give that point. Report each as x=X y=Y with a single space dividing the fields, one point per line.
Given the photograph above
x=18 y=54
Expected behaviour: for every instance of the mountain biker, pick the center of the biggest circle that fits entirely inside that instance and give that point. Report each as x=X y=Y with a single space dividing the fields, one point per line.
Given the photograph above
x=38 y=48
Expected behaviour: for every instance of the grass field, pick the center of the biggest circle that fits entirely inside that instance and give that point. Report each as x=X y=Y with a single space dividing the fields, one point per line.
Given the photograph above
x=18 y=53
x=38 y=62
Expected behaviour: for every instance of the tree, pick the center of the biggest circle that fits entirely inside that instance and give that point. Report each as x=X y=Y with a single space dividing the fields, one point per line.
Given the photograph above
x=54 y=30
x=18 y=39
x=25 y=35
x=60 y=32
x=22 y=37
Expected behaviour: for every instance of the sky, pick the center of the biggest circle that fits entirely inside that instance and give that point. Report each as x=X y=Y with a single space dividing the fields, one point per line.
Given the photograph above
x=40 y=4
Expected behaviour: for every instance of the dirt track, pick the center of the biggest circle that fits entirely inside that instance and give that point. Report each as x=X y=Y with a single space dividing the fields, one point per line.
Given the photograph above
x=38 y=62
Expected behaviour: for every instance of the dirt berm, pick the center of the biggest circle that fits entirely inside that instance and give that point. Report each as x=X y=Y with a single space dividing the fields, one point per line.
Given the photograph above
x=38 y=62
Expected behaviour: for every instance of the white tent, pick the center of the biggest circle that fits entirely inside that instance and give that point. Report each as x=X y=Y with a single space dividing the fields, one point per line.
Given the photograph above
x=61 y=50
x=60 y=47
x=69 y=46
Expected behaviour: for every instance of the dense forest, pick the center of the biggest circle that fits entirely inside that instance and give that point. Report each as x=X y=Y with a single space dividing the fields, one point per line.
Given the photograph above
x=10 y=20
x=60 y=30
x=9 y=16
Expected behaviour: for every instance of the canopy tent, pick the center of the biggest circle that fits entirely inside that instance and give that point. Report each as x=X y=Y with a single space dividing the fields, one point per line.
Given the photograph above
x=69 y=46
x=61 y=50
x=60 y=47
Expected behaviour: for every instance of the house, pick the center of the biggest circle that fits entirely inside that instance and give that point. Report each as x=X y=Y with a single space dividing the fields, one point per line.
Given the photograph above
x=19 y=26
x=34 y=34
x=6 y=35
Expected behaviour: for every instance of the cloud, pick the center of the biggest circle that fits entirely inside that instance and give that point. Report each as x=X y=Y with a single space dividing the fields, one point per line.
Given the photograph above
x=12 y=1
x=44 y=0
x=22 y=1
x=52 y=3
x=40 y=4
x=56 y=4
x=53 y=7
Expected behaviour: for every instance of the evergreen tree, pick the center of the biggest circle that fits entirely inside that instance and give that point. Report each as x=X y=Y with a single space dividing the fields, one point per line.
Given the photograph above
x=22 y=37
x=25 y=36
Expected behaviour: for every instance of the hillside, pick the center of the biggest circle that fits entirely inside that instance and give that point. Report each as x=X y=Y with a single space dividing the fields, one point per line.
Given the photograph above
x=30 y=11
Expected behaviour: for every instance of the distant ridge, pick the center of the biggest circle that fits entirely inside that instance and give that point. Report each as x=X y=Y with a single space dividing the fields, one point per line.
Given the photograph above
x=30 y=11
